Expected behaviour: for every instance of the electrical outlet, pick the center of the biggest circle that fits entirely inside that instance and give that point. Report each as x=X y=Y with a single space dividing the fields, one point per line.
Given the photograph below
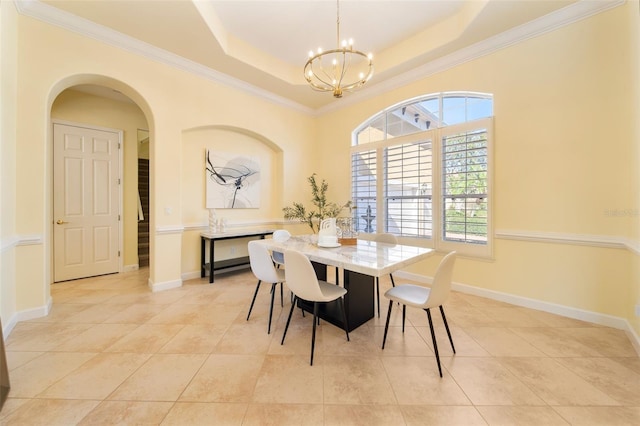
x=233 y=250
x=638 y=310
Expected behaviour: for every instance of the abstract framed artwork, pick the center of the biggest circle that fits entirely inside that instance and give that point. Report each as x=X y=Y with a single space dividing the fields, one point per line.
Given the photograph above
x=233 y=181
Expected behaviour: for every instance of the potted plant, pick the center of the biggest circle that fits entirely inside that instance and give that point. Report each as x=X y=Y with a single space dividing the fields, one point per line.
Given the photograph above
x=323 y=208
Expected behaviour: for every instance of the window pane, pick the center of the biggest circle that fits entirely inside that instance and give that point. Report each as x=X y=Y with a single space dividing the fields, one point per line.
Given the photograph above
x=453 y=110
x=408 y=189
x=412 y=118
x=478 y=108
x=464 y=187
x=363 y=190
x=373 y=132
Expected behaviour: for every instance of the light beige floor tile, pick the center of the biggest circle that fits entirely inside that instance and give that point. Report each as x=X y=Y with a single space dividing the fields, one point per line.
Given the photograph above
x=502 y=342
x=96 y=378
x=41 y=336
x=35 y=376
x=247 y=338
x=522 y=416
x=464 y=344
x=617 y=381
x=556 y=384
x=97 y=313
x=511 y=362
x=136 y=313
x=50 y=412
x=146 y=338
x=95 y=339
x=599 y=416
x=10 y=405
x=415 y=380
x=16 y=359
x=410 y=343
x=487 y=382
x=419 y=415
x=224 y=378
x=284 y=415
x=179 y=313
x=162 y=378
x=357 y=380
x=110 y=413
x=200 y=413
x=362 y=415
x=60 y=312
x=555 y=342
x=289 y=379
x=607 y=341
x=195 y=339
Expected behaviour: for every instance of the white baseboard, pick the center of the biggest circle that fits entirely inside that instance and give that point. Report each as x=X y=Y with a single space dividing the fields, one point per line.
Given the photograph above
x=166 y=285
x=130 y=268
x=525 y=302
x=29 y=314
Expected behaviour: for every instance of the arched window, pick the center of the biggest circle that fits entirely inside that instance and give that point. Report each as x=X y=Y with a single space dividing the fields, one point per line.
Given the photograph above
x=422 y=169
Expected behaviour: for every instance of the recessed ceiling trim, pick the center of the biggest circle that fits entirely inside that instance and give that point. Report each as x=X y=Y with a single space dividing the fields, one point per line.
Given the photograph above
x=73 y=23
x=565 y=16
x=553 y=21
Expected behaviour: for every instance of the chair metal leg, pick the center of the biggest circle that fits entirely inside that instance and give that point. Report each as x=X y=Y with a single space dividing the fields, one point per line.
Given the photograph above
x=273 y=293
x=344 y=317
x=281 y=296
x=293 y=305
x=446 y=325
x=313 y=334
x=378 y=294
x=386 y=326
x=393 y=283
x=404 y=315
x=254 y=299
x=433 y=338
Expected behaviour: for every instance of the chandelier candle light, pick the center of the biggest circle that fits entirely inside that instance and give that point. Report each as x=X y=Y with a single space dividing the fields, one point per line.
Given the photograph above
x=340 y=69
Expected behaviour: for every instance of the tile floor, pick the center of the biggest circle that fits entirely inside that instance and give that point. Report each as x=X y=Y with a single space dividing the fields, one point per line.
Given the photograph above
x=111 y=352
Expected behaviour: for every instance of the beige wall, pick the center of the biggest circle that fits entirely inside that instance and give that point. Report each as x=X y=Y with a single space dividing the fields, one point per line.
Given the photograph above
x=8 y=94
x=79 y=107
x=565 y=161
x=565 y=154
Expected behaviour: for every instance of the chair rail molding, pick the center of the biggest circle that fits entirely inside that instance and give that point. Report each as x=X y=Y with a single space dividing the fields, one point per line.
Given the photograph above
x=605 y=241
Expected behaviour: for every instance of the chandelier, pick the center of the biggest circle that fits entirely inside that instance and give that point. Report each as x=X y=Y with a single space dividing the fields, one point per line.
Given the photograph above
x=340 y=69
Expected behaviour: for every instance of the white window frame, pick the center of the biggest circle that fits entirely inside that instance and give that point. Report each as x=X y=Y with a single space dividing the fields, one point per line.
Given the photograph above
x=435 y=135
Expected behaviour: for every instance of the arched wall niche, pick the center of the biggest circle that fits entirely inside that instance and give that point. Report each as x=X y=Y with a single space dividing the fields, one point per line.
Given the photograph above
x=235 y=141
x=230 y=141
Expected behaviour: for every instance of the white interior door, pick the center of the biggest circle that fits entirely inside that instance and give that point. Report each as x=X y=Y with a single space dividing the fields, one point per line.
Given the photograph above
x=86 y=202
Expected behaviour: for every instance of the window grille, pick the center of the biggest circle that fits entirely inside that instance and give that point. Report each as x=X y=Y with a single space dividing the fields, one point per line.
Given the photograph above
x=464 y=187
x=364 y=189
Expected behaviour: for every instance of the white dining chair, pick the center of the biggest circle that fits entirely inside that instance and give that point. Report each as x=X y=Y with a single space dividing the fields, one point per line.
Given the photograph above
x=425 y=298
x=389 y=239
x=302 y=281
x=280 y=235
x=264 y=269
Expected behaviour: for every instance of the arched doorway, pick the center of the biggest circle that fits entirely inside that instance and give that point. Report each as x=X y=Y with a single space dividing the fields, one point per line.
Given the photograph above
x=102 y=102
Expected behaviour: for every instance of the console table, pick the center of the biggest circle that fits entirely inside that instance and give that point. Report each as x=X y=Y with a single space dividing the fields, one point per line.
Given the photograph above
x=229 y=263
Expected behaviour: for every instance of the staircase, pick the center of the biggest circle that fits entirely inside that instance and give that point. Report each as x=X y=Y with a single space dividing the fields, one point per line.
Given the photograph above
x=143 y=226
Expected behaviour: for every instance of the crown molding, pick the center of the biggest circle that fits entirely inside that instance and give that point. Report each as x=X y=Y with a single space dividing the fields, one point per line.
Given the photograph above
x=550 y=22
x=53 y=16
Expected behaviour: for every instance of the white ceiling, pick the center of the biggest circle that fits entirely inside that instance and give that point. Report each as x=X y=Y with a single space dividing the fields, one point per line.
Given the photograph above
x=263 y=44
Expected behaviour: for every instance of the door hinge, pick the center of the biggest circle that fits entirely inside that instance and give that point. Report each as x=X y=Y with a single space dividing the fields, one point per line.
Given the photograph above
x=118 y=218
x=119 y=182
x=118 y=253
x=119 y=146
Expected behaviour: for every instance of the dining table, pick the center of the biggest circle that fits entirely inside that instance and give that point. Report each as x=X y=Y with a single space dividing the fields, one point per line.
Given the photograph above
x=359 y=264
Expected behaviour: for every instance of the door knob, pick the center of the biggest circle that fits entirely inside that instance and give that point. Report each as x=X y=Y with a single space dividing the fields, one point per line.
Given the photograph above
x=60 y=222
